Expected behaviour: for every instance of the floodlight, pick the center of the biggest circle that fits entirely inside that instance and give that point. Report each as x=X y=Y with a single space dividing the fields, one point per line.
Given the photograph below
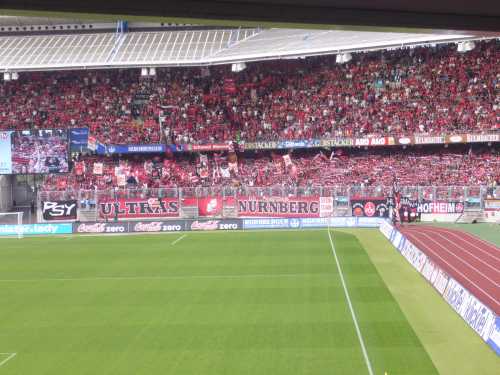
x=470 y=45
x=6 y=76
x=144 y=72
x=466 y=46
x=343 y=58
x=238 y=67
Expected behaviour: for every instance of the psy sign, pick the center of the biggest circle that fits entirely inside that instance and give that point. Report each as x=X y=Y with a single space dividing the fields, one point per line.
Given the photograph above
x=59 y=210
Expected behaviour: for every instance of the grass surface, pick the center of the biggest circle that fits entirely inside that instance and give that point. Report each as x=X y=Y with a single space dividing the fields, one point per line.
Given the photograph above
x=454 y=348
x=217 y=303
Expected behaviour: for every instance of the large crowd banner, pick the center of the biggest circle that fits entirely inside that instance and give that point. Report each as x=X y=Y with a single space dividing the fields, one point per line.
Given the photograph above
x=279 y=206
x=370 y=207
x=129 y=208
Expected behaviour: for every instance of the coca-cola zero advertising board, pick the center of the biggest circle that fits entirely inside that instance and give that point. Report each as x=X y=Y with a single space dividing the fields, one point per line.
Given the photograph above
x=157 y=226
x=100 y=227
x=211 y=225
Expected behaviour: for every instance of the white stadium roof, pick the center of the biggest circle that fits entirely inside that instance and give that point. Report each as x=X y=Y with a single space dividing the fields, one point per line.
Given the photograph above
x=195 y=47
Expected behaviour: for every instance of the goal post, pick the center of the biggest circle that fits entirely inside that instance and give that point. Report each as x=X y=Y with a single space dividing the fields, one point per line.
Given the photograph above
x=14 y=220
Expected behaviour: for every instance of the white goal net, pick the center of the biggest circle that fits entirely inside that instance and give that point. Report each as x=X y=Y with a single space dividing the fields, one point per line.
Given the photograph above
x=11 y=224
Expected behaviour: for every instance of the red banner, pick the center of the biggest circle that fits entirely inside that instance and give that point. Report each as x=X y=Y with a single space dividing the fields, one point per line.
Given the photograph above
x=279 y=207
x=207 y=206
x=127 y=208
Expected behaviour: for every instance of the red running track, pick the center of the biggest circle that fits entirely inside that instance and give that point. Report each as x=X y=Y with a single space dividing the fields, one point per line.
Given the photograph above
x=471 y=261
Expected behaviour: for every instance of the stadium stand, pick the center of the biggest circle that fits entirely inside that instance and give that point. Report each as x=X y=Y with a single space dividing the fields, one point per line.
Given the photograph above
x=425 y=167
x=423 y=90
x=426 y=90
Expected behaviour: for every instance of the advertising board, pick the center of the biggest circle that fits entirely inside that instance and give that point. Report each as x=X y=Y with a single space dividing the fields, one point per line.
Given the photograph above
x=130 y=149
x=493 y=137
x=494 y=336
x=207 y=147
x=367 y=222
x=441 y=281
x=413 y=255
x=320 y=222
x=479 y=317
x=266 y=223
x=210 y=225
x=35 y=229
x=94 y=227
x=387 y=230
x=429 y=271
x=157 y=226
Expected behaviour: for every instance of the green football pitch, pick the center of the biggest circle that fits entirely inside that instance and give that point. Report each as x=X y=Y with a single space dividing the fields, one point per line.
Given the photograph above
x=201 y=303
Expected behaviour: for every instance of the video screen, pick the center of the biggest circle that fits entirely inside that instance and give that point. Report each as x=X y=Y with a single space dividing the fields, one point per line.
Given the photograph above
x=39 y=152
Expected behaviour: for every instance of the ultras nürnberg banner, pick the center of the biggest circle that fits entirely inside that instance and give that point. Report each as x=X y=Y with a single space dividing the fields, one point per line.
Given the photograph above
x=126 y=208
x=303 y=207
x=298 y=207
x=279 y=207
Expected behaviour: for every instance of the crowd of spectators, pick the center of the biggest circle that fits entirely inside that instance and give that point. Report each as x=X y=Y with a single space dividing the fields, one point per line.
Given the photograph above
x=298 y=169
x=432 y=90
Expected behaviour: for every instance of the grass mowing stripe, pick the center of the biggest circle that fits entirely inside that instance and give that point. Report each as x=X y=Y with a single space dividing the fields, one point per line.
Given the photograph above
x=180 y=238
x=173 y=277
x=11 y=355
x=353 y=314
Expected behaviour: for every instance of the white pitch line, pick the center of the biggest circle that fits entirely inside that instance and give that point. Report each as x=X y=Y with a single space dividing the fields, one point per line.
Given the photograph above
x=353 y=314
x=180 y=238
x=171 y=277
x=11 y=355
